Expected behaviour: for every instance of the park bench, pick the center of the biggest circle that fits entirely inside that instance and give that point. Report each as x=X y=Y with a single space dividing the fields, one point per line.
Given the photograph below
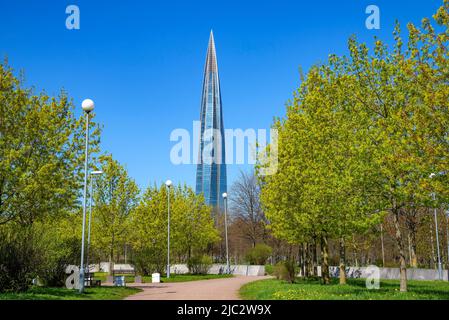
x=89 y=281
x=124 y=272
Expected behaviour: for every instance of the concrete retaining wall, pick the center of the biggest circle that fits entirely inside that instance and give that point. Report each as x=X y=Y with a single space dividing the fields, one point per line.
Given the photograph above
x=104 y=267
x=242 y=270
x=390 y=273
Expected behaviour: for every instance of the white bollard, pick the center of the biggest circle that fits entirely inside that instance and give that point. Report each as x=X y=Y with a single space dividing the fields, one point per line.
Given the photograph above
x=156 y=278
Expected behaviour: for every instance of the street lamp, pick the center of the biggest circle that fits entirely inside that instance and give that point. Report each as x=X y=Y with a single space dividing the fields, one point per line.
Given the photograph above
x=88 y=106
x=169 y=184
x=92 y=174
x=225 y=197
x=447 y=238
x=440 y=271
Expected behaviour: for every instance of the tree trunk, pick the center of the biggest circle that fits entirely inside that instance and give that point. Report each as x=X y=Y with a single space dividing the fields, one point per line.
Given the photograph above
x=342 y=261
x=315 y=263
x=382 y=243
x=354 y=252
x=111 y=264
x=301 y=259
x=434 y=260
x=400 y=245
x=111 y=257
x=305 y=270
x=413 y=250
x=310 y=263
x=324 y=261
x=409 y=249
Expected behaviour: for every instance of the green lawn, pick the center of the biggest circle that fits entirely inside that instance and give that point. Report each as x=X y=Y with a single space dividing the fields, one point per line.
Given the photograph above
x=98 y=293
x=173 y=278
x=355 y=290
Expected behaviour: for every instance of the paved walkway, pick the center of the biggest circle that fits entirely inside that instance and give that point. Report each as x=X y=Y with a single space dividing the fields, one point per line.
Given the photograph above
x=214 y=289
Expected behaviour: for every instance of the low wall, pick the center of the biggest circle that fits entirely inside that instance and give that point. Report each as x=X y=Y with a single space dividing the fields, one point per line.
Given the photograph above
x=247 y=270
x=104 y=267
x=390 y=273
x=241 y=270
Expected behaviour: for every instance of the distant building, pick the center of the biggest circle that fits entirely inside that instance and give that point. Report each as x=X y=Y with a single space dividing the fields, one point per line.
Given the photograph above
x=211 y=171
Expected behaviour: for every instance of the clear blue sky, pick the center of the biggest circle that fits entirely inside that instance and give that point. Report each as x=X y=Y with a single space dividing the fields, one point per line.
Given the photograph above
x=142 y=61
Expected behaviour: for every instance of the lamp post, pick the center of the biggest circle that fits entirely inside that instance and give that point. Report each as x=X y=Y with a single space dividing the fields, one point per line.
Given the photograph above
x=92 y=175
x=447 y=239
x=169 y=184
x=87 y=105
x=225 y=198
x=440 y=271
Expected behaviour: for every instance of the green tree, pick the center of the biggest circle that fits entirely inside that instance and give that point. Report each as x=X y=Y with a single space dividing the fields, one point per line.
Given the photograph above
x=41 y=143
x=360 y=140
x=191 y=227
x=41 y=162
x=116 y=195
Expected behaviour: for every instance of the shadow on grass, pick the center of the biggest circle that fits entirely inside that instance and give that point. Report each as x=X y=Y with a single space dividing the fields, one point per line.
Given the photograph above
x=98 y=293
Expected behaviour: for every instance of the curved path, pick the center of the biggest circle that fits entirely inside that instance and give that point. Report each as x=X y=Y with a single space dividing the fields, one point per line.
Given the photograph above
x=214 y=289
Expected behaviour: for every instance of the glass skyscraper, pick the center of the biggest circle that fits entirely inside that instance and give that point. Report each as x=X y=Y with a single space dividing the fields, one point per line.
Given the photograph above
x=211 y=168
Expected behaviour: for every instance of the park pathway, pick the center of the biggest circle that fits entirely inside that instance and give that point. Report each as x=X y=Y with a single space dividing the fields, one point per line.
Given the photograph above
x=214 y=289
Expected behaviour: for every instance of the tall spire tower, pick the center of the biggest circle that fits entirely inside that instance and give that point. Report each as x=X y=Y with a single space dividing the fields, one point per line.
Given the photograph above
x=211 y=168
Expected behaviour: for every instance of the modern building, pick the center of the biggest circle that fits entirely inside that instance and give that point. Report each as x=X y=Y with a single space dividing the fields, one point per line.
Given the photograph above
x=211 y=168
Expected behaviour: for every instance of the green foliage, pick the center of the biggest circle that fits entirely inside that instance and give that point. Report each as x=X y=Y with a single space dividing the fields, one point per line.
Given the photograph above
x=18 y=259
x=192 y=227
x=116 y=195
x=41 y=161
x=41 y=251
x=285 y=270
x=59 y=243
x=98 y=293
x=259 y=254
x=269 y=269
x=41 y=143
x=199 y=264
x=360 y=139
x=148 y=260
x=306 y=289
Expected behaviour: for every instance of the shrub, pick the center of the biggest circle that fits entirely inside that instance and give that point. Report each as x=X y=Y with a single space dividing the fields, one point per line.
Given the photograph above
x=58 y=256
x=285 y=270
x=18 y=261
x=259 y=254
x=149 y=260
x=199 y=264
x=269 y=269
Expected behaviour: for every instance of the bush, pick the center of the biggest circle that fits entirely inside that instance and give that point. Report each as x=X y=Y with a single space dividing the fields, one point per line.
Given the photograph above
x=285 y=270
x=259 y=254
x=269 y=269
x=18 y=261
x=149 y=260
x=58 y=256
x=199 y=264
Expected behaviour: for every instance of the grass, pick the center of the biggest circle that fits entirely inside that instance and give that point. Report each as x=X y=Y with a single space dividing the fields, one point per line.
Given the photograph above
x=98 y=293
x=355 y=290
x=173 y=278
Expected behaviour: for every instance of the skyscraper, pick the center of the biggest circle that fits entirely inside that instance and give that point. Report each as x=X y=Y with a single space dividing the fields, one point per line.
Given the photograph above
x=211 y=168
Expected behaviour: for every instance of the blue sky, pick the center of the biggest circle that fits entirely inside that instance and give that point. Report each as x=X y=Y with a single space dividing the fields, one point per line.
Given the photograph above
x=142 y=62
